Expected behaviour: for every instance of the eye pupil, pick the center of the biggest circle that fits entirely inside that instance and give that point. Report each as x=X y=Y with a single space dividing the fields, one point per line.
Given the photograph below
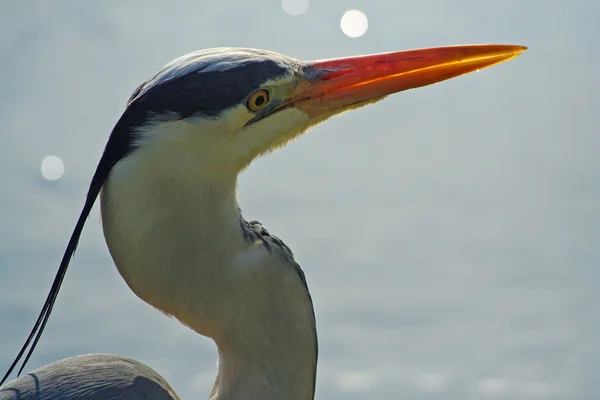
x=260 y=100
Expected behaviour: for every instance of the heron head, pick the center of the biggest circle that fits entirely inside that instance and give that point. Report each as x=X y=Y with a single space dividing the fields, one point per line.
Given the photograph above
x=223 y=107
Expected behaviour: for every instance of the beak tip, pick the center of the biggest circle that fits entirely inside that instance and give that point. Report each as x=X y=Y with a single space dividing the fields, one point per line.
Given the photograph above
x=516 y=50
x=521 y=49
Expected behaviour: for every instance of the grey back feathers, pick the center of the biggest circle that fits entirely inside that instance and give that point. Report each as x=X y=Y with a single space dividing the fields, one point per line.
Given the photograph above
x=90 y=377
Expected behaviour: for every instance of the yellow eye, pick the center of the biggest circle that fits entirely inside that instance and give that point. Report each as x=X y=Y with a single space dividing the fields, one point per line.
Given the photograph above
x=258 y=100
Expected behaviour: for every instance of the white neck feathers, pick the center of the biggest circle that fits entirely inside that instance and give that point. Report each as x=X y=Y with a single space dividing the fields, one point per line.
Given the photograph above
x=177 y=238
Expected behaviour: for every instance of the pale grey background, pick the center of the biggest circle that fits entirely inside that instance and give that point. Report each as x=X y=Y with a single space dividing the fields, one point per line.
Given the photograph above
x=449 y=234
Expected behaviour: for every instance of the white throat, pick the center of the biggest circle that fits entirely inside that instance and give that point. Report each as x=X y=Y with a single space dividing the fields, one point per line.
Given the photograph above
x=177 y=238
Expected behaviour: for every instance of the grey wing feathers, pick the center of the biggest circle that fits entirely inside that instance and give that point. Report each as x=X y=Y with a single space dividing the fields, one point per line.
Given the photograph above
x=90 y=376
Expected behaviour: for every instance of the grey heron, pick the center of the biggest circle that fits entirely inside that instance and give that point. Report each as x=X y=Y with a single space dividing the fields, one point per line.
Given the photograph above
x=167 y=182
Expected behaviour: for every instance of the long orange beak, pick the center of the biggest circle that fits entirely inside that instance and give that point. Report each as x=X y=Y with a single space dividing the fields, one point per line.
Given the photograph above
x=332 y=85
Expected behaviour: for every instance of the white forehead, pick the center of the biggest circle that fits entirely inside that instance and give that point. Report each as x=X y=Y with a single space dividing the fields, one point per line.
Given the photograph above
x=211 y=60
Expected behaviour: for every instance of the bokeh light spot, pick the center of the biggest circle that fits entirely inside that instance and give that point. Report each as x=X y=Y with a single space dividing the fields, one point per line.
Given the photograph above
x=354 y=23
x=295 y=7
x=52 y=168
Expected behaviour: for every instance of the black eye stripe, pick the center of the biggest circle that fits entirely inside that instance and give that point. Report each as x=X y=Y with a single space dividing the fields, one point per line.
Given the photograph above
x=205 y=93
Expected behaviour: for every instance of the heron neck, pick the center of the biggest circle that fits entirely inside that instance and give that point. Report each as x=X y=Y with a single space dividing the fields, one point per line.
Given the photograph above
x=266 y=366
x=177 y=237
